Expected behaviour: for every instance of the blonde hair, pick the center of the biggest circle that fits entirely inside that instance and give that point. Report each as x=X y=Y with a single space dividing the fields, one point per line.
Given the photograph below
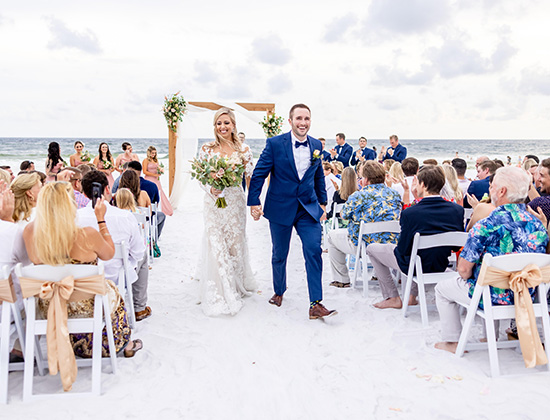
x=349 y=183
x=529 y=163
x=388 y=163
x=451 y=179
x=5 y=176
x=236 y=142
x=149 y=150
x=23 y=205
x=339 y=166
x=55 y=228
x=397 y=172
x=125 y=199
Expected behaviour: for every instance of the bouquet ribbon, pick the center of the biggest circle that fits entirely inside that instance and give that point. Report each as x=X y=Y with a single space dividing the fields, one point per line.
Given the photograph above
x=220 y=201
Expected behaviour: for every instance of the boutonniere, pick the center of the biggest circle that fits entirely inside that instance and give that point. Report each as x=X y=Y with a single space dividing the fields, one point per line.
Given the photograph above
x=315 y=155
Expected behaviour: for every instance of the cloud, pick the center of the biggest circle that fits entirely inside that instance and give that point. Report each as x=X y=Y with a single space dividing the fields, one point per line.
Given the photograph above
x=63 y=37
x=205 y=72
x=388 y=103
x=502 y=55
x=338 y=27
x=270 y=50
x=395 y=76
x=535 y=81
x=280 y=83
x=406 y=16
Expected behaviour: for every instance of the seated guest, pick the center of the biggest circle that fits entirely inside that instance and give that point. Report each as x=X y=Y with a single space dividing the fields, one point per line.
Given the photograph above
x=76 y=182
x=25 y=190
x=348 y=187
x=26 y=166
x=451 y=190
x=331 y=183
x=396 y=174
x=429 y=162
x=544 y=200
x=460 y=166
x=125 y=200
x=337 y=169
x=121 y=223
x=480 y=187
x=54 y=238
x=5 y=176
x=324 y=153
x=410 y=169
x=430 y=216
x=363 y=153
x=509 y=229
x=7 y=168
x=373 y=203
x=388 y=164
x=130 y=180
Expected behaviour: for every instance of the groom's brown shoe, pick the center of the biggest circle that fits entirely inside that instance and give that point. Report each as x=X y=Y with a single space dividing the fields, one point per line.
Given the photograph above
x=276 y=300
x=319 y=311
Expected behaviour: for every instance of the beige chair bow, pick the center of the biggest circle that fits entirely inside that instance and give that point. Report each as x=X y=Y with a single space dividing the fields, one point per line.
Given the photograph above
x=6 y=291
x=520 y=282
x=60 y=352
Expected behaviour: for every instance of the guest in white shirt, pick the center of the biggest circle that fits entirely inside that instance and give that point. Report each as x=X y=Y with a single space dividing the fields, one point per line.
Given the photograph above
x=331 y=181
x=410 y=167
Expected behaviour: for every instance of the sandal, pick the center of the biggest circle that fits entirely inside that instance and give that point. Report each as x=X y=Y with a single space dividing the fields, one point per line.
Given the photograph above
x=137 y=346
x=340 y=284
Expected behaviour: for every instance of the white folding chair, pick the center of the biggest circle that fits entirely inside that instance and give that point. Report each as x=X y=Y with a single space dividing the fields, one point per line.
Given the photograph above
x=37 y=327
x=467 y=216
x=154 y=221
x=361 y=257
x=336 y=211
x=149 y=230
x=124 y=284
x=143 y=229
x=492 y=313
x=447 y=239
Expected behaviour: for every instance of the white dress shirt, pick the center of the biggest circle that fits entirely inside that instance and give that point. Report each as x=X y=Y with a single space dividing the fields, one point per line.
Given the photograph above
x=302 y=156
x=399 y=188
x=13 y=251
x=122 y=226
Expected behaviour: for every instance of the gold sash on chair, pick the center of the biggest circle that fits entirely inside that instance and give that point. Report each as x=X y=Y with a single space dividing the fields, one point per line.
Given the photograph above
x=520 y=282
x=6 y=291
x=60 y=352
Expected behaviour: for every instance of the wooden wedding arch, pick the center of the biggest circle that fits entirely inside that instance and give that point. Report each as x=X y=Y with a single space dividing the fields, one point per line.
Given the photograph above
x=173 y=136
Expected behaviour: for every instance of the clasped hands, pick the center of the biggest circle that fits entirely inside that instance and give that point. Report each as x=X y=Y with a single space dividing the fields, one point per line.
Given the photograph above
x=256 y=212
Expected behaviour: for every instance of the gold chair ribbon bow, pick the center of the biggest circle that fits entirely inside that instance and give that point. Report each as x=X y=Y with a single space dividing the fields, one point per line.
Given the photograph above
x=60 y=352
x=520 y=282
x=6 y=291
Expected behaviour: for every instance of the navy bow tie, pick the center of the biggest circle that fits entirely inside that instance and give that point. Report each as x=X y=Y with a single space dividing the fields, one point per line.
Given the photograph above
x=303 y=143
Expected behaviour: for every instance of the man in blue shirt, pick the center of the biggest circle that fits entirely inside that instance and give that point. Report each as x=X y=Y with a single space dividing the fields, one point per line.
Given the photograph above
x=396 y=151
x=363 y=153
x=343 y=151
x=481 y=187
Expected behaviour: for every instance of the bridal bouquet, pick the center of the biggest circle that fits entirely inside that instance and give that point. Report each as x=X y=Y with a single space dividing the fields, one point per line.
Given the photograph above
x=272 y=125
x=219 y=172
x=85 y=156
x=107 y=164
x=160 y=168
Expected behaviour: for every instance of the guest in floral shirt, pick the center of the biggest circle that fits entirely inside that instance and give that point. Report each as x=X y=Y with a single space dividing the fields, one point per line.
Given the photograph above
x=373 y=203
x=509 y=229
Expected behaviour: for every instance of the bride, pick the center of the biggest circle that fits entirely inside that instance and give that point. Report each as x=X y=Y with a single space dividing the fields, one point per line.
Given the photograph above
x=225 y=274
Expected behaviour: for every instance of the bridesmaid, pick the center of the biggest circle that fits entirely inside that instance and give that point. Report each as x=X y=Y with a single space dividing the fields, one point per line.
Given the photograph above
x=127 y=156
x=105 y=163
x=54 y=163
x=150 y=170
x=75 y=159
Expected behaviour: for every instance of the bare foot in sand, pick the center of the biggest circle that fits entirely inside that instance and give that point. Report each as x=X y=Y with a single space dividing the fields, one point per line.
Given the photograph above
x=412 y=300
x=447 y=346
x=394 y=303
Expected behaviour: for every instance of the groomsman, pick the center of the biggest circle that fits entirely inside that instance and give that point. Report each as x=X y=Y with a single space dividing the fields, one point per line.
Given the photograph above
x=396 y=151
x=363 y=153
x=324 y=153
x=343 y=151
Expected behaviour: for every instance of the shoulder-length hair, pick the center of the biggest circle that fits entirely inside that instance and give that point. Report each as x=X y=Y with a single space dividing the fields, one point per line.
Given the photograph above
x=125 y=199
x=349 y=183
x=108 y=154
x=151 y=149
x=130 y=179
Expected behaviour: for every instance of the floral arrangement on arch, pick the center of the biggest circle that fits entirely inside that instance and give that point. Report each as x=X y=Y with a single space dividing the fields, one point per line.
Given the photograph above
x=272 y=125
x=173 y=110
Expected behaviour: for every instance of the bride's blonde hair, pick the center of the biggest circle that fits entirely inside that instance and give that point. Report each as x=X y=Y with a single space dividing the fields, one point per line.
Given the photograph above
x=236 y=142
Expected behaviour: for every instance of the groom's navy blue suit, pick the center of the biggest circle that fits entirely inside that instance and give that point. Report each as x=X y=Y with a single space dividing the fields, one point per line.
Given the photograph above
x=291 y=202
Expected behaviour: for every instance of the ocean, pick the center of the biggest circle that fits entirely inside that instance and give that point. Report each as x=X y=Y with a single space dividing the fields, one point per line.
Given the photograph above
x=15 y=150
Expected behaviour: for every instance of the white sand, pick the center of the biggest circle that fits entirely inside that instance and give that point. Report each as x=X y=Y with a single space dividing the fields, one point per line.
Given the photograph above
x=274 y=363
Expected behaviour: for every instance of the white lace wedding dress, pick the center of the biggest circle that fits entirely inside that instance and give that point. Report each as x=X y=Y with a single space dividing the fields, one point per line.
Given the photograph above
x=224 y=272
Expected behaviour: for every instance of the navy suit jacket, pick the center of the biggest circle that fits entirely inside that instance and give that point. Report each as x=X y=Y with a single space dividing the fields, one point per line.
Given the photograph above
x=430 y=216
x=399 y=153
x=286 y=191
x=344 y=154
x=478 y=189
x=326 y=156
x=144 y=184
x=368 y=154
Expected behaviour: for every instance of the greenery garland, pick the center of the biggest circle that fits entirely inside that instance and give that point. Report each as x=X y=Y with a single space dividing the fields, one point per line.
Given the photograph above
x=173 y=110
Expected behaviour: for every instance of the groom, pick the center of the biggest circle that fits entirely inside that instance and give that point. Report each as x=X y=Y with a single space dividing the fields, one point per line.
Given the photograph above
x=296 y=198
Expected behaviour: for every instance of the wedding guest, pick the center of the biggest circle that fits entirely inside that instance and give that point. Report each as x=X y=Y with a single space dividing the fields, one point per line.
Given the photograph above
x=5 y=176
x=337 y=169
x=429 y=162
x=130 y=180
x=451 y=190
x=543 y=202
x=460 y=166
x=326 y=155
x=347 y=188
x=76 y=158
x=363 y=153
x=9 y=171
x=55 y=162
x=410 y=167
x=388 y=164
x=342 y=151
x=105 y=163
x=331 y=183
x=375 y=202
x=430 y=216
x=396 y=151
x=26 y=166
x=75 y=179
x=26 y=188
x=480 y=160
x=480 y=187
x=395 y=175
x=510 y=228
x=55 y=239
x=126 y=156
x=153 y=171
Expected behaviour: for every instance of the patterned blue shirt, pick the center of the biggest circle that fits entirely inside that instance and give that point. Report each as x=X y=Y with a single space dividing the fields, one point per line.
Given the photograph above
x=374 y=203
x=509 y=229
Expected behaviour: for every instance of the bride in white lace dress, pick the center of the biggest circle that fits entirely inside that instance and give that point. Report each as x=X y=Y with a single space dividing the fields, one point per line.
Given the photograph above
x=224 y=273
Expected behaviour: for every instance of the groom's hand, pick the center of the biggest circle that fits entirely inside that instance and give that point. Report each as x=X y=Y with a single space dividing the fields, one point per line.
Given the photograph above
x=256 y=212
x=324 y=216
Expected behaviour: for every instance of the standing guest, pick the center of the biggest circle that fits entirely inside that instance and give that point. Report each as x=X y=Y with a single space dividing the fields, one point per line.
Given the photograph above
x=363 y=153
x=130 y=180
x=105 y=163
x=509 y=229
x=544 y=200
x=26 y=188
x=76 y=182
x=347 y=188
x=76 y=158
x=26 y=166
x=331 y=183
x=342 y=151
x=396 y=151
x=460 y=168
x=430 y=216
x=152 y=173
x=480 y=187
x=410 y=167
x=374 y=203
x=326 y=155
x=9 y=171
x=127 y=156
x=54 y=163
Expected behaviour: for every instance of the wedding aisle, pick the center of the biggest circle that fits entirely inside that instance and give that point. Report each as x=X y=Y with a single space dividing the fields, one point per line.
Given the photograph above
x=274 y=363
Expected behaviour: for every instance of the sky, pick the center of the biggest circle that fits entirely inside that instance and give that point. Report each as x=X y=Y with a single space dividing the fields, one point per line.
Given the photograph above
x=474 y=69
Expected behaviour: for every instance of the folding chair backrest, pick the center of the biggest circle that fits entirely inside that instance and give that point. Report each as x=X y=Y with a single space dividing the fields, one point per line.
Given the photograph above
x=337 y=209
x=391 y=226
x=441 y=239
x=516 y=262
x=51 y=273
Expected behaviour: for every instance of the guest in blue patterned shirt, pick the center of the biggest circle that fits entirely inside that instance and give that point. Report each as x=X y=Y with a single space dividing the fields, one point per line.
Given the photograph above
x=373 y=203
x=509 y=229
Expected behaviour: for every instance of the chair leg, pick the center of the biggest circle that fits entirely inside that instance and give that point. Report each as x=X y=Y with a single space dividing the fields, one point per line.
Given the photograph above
x=28 y=374
x=109 y=330
x=491 y=342
x=468 y=322
x=5 y=353
x=545 y=322
x=97 y=345
x=407 y=295
x=130 y=306
x=423 y=303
